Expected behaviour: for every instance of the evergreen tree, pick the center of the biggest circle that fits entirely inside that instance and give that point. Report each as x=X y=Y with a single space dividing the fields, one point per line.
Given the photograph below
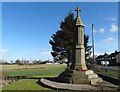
x=62 y=41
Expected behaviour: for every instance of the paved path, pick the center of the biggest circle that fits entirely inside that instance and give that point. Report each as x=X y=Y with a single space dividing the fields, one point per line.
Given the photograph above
x=102 y=86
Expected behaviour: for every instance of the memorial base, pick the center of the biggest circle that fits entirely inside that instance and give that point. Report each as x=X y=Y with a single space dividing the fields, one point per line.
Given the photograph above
x=79 y=77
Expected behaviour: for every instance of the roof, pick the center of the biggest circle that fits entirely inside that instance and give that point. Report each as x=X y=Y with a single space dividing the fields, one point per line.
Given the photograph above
x=114 y=54
x=111 y=55
x=102 y=56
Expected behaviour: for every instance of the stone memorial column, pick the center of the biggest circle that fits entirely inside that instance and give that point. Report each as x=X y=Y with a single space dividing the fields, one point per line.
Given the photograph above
x=79 y=49
x=78 y=73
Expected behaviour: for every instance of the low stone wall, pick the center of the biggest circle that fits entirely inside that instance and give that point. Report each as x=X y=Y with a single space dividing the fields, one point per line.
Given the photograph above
x=4 y=80
x=103 y=86
x=66 y=86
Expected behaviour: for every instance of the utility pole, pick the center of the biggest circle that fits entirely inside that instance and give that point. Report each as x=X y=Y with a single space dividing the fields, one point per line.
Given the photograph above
x=93 y=42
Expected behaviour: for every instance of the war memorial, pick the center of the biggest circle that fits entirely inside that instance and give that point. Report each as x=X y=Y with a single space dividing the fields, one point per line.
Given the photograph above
x=77 y=77
x=78 y=72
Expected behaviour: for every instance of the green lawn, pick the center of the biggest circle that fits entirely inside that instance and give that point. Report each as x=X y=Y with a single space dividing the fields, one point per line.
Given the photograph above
x=28 y=85
x=51 y=70
x=31 y=84
x=25 y=84
x=109 y=72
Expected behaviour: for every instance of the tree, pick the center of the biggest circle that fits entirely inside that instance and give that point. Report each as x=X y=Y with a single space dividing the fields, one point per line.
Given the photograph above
x=62 y=41
x=87 y=48
x=17 y=61
x=11 y=62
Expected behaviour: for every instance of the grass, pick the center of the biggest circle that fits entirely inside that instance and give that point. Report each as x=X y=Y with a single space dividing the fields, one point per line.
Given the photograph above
x=31 y=84
x=111 y=73
x=25 y=84
x=28 y=85
x=52 y=70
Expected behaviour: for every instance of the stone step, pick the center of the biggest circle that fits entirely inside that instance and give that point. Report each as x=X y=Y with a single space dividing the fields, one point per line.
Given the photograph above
x=69 y=71
x=89 y=72
x=67 y=75
x=90 y=76
x=95 y=81
x=64 y=79
x=69 y=87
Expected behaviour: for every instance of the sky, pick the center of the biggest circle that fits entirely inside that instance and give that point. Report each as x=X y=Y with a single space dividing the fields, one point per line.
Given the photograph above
x=27 y=27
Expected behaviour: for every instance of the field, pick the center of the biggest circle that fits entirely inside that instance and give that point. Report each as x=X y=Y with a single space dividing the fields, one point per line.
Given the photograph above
x=34 y=71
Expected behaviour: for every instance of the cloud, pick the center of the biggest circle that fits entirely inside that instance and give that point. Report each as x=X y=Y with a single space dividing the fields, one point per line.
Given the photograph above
x=94 y=31
x=101 y=30
x=113 y=28
x=108 y=40
x=99 y=53
x=3 y=51
x=44 y=52
x=40 y=52
x=111 y=19
x=5 y=54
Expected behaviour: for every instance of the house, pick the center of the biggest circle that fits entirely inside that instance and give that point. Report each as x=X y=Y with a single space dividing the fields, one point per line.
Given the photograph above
x=102 y=58
x=118 y=58
x=113 y=58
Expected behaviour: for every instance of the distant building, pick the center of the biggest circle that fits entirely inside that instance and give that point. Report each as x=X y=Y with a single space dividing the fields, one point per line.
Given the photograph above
x=113 y=58
x=118 y=58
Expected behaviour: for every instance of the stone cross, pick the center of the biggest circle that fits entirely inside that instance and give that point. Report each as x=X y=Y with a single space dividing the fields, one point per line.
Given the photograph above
x=78 y=48
x=78 y=11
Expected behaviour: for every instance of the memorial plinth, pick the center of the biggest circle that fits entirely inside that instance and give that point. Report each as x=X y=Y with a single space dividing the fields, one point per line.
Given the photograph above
x=78 y=72
x=79 y=77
